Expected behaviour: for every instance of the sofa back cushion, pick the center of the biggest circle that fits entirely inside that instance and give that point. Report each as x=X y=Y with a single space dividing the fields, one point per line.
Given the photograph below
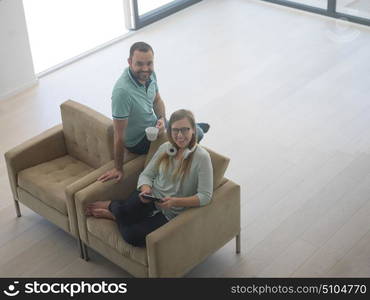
x=88 y=134
x=219 y=162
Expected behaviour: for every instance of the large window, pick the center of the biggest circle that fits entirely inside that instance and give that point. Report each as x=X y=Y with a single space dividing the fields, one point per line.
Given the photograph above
x=145 y=6
x=359 y=8
x=357 y=11
x=313 y=3
x=144 y=12
x=61 y=31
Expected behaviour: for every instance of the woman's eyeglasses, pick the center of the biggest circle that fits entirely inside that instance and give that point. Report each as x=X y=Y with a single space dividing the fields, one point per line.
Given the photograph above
x=183 y=130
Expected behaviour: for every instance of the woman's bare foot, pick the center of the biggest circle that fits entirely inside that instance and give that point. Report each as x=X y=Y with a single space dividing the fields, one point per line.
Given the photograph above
x=97 y=204
x=102 y=213
x=88 y=212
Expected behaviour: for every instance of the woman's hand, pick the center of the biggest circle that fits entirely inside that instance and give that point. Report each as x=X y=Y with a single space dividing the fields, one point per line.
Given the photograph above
x=167 y=202
x=145 y=189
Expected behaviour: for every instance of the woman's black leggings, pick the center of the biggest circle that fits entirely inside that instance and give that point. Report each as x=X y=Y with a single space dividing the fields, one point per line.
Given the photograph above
x=135 y=219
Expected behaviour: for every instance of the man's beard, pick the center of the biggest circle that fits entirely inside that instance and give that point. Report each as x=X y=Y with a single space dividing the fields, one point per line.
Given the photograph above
x=143 y=75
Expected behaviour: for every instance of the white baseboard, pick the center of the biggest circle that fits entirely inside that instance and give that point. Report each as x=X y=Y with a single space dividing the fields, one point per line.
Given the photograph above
x=20 y=89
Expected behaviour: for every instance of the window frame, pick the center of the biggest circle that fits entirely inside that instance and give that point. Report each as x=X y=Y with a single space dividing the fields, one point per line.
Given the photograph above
x=330 y=10
x=136 y=21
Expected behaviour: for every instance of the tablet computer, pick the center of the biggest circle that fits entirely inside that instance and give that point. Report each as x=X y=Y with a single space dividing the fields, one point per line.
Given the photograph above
x=150 y=197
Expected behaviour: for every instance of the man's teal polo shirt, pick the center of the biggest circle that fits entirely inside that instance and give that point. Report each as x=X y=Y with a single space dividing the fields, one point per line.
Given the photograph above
x=133 y=101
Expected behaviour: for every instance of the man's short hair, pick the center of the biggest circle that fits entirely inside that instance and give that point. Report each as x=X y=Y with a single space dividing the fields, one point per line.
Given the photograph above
x=140 y=46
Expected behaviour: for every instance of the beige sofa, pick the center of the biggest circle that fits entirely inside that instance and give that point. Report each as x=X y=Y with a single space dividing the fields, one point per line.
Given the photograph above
x=46 y=171
x=173 y=249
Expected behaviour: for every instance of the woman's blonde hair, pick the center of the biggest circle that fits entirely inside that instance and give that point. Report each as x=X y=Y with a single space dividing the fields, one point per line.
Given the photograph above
x=165 y=160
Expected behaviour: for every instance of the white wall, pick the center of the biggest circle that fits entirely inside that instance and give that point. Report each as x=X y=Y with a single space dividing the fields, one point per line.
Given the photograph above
x=16 y=67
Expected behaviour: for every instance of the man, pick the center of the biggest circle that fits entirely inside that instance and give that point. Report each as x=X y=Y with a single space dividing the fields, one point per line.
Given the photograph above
x=136 y=105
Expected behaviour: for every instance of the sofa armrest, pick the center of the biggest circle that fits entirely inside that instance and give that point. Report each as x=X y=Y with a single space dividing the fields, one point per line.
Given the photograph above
x=78 y=185
x=41 y=148
x=110 y=190
x=188 y=239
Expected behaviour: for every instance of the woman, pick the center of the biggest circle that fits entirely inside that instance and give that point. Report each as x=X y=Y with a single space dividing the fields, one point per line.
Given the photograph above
x=180 y=174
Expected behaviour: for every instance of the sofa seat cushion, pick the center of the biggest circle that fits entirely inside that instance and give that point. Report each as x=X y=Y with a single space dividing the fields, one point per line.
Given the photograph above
x=107 y=231
x=47 y=181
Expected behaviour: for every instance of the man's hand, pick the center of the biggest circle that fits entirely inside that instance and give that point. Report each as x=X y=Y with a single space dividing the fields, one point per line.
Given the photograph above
x=111 y=174
x=160 y=124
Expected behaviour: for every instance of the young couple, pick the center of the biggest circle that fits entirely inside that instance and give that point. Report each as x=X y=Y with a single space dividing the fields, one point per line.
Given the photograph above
x=180 y=174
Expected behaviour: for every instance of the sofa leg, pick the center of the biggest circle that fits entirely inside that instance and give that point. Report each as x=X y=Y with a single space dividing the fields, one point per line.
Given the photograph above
x=17 y=209
x=85 y=252
x=237 y=242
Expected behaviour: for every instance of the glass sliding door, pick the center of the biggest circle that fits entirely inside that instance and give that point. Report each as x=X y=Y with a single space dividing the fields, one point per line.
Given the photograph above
x=313 y=3
x=359 y=8
x=60 y=30
x=357 y=11
x=145 y=6
x=315 y=6
x=144 y=12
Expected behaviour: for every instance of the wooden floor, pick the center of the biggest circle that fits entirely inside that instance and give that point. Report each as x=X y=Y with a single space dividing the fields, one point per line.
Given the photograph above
x=287 y=96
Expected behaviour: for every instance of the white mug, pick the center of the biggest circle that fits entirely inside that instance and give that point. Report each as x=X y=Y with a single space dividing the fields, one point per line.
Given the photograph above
x=151 y=133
